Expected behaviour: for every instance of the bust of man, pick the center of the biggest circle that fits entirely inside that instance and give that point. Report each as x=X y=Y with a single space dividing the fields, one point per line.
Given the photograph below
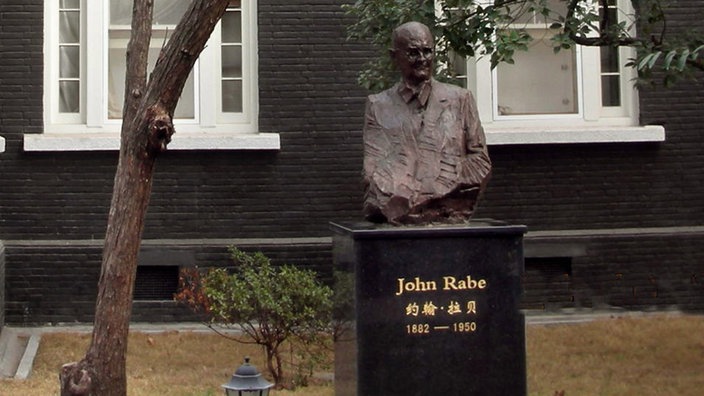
x=425 y=155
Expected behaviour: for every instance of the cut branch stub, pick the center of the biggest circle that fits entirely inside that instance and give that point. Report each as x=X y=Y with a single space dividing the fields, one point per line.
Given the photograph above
x=75 y=380
x=161 y=128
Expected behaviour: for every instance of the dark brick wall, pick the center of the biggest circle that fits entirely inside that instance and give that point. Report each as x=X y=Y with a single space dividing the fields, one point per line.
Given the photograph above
x=630 y=271
x=642 y=273
x=52 y=283
x=308 y=94
x=21 y=65
x=2 y=284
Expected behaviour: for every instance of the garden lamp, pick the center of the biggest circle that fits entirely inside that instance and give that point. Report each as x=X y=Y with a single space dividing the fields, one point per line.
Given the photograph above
x=247 y=381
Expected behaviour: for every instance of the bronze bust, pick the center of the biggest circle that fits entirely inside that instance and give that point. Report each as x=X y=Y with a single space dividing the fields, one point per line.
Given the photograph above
x=425 y=154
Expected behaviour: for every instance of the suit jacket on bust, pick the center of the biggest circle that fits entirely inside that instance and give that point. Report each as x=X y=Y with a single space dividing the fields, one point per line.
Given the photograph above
x=422 y=148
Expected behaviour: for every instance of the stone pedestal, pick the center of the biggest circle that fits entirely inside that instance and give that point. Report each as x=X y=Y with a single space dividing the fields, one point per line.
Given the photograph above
x=429 y=310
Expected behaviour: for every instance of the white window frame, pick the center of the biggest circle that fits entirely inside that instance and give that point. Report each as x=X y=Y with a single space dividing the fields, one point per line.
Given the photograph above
x=92 y=130
x=592 y=123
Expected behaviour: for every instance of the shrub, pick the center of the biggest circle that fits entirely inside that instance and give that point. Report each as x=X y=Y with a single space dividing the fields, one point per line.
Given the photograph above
x=272 y=305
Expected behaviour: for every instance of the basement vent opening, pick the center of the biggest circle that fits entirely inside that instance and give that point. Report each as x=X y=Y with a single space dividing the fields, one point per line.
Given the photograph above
x=547 y=283
x=156 y=282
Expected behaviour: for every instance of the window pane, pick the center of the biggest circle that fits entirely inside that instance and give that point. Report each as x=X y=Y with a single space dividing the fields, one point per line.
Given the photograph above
x=524 y=15
x=69 y=66
x=610 y=91
x=185 y=109
x=232 y=27
x=166 y=12
x=609 y=60
x=459 y=68
x=75 y=4
x=459 y=65
x=117 y=70
x=120 y=12
x=540 y=82
x=69 y=97
x=169 y=12
x=232 y=96
x=231 y=61
x=69 y=27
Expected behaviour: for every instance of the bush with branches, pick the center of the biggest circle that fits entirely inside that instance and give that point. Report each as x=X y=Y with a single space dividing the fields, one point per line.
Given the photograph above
x=274 y=306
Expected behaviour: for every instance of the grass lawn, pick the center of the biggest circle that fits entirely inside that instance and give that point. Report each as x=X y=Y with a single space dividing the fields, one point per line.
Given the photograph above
x=651 y=355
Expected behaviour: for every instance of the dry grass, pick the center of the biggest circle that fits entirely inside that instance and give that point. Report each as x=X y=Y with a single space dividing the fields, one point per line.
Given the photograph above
x=656 y=355
x=175 y=363
x=660 y=355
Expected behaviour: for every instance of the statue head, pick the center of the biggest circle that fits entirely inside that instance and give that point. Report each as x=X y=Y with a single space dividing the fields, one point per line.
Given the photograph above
x=413 y=52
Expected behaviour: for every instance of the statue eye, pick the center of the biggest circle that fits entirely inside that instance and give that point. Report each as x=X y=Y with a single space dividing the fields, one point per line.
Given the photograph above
x=417 y=53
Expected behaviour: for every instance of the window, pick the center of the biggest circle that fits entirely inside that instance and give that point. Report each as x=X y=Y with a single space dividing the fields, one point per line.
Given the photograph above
x=538 y=72
x=85 y=43
x=166 y=16
x=584 y=94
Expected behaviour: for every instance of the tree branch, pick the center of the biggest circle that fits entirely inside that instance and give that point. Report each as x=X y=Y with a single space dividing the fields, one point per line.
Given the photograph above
x=604 y=39
x=172 y=68
x=136 y=59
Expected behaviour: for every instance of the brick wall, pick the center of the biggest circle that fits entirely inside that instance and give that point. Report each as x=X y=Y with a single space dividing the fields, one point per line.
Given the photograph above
x=638 y=270
x=308 y=95
x=50 y=282
x=2 y=284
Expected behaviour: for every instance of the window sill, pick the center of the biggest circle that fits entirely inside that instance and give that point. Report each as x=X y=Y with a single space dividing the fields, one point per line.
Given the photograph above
x=2 y=144
x=180 y=141
x=504 y=136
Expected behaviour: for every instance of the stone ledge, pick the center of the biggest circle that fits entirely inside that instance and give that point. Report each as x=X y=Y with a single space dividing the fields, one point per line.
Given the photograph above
x=180 y=141
x=506 y=136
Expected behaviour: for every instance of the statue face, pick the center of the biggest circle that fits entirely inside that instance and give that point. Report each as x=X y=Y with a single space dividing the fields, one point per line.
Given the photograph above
x=414 y=53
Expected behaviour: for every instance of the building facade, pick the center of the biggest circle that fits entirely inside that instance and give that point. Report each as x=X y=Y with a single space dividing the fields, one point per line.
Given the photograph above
x=268 y=151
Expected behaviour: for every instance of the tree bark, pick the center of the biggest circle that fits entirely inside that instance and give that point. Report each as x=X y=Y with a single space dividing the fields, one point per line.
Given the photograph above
x=146 y=131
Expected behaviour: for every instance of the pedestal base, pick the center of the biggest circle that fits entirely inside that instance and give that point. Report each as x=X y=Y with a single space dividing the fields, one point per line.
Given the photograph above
x=429 y=310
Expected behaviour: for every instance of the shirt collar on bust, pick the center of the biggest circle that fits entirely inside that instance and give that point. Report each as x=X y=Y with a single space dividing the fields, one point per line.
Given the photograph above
x=422 y=93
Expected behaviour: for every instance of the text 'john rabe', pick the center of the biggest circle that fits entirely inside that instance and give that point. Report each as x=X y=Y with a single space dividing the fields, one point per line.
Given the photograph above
x=417 y=284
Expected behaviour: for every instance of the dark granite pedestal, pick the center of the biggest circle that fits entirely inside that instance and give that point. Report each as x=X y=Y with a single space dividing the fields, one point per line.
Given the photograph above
x=429 y=310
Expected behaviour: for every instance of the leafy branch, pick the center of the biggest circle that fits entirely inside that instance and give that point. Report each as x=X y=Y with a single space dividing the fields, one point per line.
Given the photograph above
x=498 y=29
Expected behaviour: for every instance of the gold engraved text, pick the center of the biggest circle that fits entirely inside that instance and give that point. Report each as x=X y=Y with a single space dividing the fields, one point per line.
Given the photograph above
x=415 y=285
x=419 y=285
x=452 y=283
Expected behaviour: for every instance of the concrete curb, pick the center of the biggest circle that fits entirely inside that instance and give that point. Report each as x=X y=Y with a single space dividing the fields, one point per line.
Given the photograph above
x=26 y=363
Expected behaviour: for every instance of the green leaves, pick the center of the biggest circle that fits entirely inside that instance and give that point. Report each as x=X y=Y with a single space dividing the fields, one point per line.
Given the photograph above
x=471 y=28
x=648 y=61
x=288 y=300
x=674 y=64
x=270 y=304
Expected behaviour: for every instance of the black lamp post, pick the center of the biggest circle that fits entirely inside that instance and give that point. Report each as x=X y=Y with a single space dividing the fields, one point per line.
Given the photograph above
x=247 y=382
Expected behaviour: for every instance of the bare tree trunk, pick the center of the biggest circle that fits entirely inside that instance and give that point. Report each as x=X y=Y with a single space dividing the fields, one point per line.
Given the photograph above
x=146 y=130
